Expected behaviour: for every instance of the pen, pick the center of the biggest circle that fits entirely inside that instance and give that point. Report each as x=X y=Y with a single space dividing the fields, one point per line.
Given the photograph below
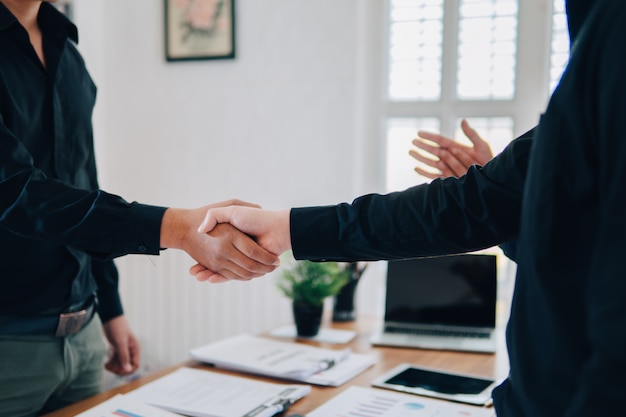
x=319 y=366
x=325 y=364
x=278 y=406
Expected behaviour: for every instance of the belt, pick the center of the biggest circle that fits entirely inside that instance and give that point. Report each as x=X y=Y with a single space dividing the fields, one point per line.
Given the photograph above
x=60 y=325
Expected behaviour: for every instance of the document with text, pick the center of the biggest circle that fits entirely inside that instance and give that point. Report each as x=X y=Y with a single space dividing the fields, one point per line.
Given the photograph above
x=201 y=393
x=284 y=360
x=360 y=401
x=123 y=406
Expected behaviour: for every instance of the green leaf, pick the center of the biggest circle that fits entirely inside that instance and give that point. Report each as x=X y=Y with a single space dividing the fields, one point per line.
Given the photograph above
x=310 y=282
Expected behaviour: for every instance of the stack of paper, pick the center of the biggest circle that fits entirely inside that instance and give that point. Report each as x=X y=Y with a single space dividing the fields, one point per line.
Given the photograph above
x=284 y=360
x=200 y=393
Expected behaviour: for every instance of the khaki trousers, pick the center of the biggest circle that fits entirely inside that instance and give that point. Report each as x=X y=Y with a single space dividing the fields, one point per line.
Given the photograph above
x=39 y=373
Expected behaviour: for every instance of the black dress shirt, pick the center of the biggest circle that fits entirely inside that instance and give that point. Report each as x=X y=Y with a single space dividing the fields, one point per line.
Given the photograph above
x=566 y=335
x=58 y=231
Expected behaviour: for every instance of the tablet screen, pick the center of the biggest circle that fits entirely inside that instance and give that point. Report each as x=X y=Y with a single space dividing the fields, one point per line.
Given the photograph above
x=439 y=382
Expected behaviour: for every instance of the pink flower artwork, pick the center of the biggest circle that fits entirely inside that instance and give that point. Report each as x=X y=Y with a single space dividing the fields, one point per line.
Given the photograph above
x=199 y=17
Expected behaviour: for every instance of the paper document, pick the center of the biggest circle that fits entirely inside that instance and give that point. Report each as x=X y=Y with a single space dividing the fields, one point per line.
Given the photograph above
x=200 y=393
x=123 y=406
x=359 y=401
x=285 y=360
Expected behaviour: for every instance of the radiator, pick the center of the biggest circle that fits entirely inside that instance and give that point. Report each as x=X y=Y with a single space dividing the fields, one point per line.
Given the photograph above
x=170 y=312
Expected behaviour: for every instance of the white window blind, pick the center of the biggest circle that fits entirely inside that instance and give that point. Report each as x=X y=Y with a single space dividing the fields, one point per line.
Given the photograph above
x=456 y=59
x=559 y=47
x=415 y=49
x=486 y=49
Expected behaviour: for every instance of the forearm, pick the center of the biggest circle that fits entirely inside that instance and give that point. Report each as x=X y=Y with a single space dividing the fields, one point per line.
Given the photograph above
x=476 y=211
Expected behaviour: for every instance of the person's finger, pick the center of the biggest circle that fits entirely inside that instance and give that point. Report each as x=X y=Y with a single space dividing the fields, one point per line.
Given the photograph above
x=135 y=353
x=423 y=159
x=211 y=219
x=426 y=147
x=471 y=133
x=482 y=151
x=243 y=251
x=233 y=271
x=453 y=164
x=231 y=253
x=217 y=279
x=227 y=269
x=441 y=140
x=464 y=158
x=195 y=269
x=427 y=174
x=203 y=274
x=255 y=257
x=111 y=364
x=123 y=354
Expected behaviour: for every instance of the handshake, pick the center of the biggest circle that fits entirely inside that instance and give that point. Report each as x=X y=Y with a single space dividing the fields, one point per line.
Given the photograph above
x=232 y=240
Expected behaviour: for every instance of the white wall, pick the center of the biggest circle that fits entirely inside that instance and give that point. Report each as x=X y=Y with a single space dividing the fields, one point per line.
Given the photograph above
x=282 y=125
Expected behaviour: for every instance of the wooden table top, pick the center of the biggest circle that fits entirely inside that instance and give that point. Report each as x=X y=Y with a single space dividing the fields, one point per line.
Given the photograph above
x=488 y=365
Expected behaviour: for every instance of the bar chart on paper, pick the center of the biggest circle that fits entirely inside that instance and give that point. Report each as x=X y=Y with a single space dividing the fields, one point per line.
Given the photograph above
x=370 y=402
x=122 y=406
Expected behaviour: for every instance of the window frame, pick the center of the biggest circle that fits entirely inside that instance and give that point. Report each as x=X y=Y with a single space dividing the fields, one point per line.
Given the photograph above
x=532 y=74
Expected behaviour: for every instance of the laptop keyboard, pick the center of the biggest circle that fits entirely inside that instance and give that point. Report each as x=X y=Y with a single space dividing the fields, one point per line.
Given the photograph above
x=437 y=332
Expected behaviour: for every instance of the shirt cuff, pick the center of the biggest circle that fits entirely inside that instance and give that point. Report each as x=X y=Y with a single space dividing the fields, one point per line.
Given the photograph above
x=144 y=224
x=314 y=232
x=109 y=304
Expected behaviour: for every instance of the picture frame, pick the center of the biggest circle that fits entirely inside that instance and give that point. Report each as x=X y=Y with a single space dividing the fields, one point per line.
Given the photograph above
x=199 y=29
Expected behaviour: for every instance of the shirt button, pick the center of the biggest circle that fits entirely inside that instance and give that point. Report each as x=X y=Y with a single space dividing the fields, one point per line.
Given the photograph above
x=142 y=248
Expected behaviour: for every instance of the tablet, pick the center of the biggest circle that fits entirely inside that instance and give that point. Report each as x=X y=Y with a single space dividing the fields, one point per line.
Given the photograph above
x=451 y=386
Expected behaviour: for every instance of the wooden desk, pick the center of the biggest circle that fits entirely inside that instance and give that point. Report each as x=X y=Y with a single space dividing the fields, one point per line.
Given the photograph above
x=474 y=363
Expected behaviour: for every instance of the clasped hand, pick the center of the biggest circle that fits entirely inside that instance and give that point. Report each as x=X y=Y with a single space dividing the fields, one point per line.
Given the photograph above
x=270 y=230
x=222 y=252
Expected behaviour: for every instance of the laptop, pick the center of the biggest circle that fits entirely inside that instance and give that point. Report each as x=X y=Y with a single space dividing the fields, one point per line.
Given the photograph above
x=446 y=302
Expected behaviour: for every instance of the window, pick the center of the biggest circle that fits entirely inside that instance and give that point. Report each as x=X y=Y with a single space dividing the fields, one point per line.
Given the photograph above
x=454 y=59
x=486 y=49
x=415 y=50
x=559 y=47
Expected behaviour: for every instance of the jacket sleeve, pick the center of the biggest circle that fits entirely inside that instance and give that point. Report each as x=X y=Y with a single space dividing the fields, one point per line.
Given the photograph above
x=476 y=211
x=109 y=302
x=101 y=224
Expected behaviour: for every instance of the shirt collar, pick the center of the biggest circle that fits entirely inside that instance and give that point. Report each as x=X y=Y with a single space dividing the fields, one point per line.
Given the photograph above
x=50 y=19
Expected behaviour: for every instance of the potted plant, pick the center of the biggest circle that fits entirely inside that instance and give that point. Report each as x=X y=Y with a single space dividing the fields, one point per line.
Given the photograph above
x=308 y=284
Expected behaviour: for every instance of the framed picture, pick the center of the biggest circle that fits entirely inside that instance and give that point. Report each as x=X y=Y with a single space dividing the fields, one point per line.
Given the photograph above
x=199 y=29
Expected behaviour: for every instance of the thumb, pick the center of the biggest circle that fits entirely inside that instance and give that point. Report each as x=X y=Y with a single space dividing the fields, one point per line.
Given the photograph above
x=209 y=222
x=471 y=134
x=217 y=215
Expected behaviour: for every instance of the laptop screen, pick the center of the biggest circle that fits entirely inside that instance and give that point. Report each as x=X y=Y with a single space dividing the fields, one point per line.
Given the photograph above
x=458 y=290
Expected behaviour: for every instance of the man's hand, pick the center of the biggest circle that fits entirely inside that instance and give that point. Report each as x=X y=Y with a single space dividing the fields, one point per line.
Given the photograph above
x=225 y=252
x=269 y=228
x=451 y=159
x=124 y=348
